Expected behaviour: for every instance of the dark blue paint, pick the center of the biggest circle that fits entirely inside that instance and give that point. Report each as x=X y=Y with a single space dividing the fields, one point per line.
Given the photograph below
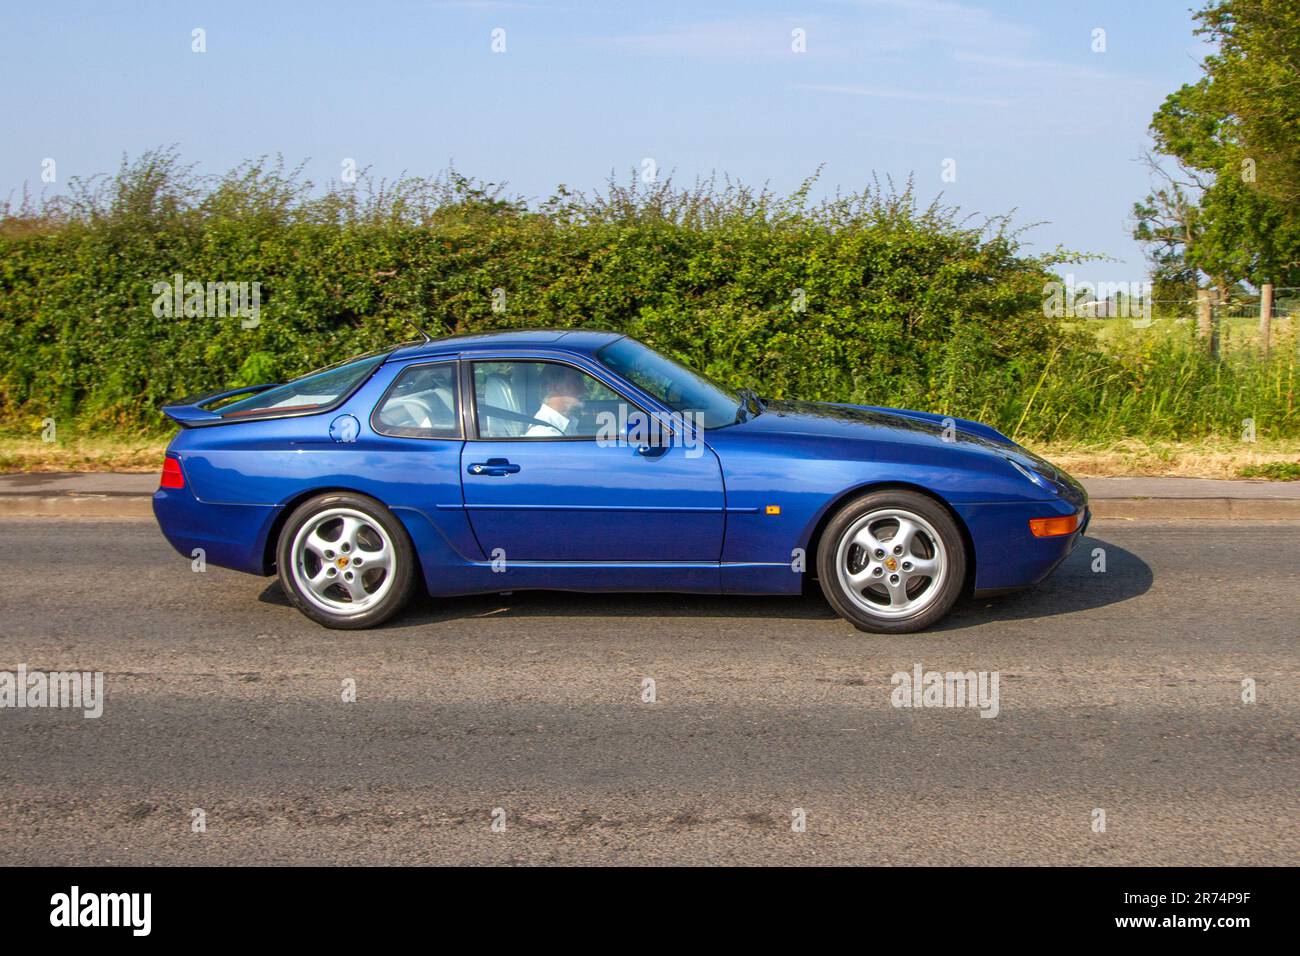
x=572 y=514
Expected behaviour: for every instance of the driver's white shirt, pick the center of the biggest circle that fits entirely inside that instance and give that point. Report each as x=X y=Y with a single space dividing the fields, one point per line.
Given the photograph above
x=556 y=424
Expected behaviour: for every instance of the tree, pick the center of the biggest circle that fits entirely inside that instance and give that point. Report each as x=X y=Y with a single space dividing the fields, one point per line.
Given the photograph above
x=1167 y=223
x=1230 y=210
x=1256 y=84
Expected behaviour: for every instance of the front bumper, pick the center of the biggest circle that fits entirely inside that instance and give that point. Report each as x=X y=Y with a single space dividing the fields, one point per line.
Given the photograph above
x=1007 y=555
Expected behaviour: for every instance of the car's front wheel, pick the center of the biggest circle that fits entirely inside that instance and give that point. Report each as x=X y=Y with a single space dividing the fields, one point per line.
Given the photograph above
x=892 y=562
x=345 y=561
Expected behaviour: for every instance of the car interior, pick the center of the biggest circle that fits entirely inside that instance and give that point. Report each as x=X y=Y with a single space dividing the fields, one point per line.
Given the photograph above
x=422 y=404
x=508 y=394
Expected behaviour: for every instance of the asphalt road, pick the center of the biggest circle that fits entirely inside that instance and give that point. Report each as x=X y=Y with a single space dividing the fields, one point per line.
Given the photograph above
x=1118 y=691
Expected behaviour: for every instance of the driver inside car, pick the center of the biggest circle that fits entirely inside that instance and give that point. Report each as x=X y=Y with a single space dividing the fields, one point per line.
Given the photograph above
x=563 y=389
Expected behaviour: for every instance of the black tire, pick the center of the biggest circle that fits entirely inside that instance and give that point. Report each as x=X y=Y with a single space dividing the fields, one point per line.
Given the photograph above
x=865 y=613
x=396 y=592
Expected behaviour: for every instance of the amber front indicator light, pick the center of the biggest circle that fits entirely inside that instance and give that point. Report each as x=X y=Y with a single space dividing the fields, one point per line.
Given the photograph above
x=172 y=477
x=1055 y=527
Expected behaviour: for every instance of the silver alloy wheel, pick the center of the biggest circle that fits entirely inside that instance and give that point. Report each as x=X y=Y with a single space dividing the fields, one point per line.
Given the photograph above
x=891 y=563
x=343 y=561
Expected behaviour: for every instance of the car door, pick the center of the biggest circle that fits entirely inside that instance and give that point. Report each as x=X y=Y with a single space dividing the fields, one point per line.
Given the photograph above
x=547 y=476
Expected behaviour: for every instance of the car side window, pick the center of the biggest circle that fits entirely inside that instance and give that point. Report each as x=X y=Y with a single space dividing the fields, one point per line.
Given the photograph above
x=540 y=400
x=421 y=403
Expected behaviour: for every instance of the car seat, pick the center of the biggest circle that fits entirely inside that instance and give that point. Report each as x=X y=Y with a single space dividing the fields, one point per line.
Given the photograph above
x=498 y=391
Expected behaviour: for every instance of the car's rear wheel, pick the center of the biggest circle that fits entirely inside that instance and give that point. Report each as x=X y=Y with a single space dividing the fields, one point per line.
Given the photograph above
x=345 y=561
x=892 y=562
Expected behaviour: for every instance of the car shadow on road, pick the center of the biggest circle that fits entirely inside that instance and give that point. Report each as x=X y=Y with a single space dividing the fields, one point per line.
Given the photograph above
x=1075 y=586
x=1097 y=573
x=542 y=604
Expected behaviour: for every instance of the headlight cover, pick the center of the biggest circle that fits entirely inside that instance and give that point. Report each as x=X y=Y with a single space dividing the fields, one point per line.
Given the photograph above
x=1042 y=481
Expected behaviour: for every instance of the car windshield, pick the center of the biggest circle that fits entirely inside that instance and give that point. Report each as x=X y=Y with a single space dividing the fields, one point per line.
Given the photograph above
x=678 y=387
x=314 y=390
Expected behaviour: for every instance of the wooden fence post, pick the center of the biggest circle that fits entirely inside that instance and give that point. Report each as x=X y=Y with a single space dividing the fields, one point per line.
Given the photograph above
x=1265 y=314
x=1205 y=320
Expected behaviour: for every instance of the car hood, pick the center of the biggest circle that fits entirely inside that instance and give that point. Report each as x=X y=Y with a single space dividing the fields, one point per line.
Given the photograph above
x=900 y=426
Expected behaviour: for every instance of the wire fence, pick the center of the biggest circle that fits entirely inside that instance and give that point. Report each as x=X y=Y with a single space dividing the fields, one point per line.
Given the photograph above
x=1236 y=325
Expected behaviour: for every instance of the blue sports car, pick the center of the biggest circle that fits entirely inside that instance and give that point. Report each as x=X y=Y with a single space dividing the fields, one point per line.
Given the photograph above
x=584 y=460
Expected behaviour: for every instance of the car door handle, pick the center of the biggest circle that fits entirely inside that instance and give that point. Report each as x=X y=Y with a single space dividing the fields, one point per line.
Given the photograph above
x=495 y=467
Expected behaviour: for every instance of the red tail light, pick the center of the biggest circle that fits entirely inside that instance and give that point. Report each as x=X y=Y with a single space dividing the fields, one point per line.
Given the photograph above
x=172 y=476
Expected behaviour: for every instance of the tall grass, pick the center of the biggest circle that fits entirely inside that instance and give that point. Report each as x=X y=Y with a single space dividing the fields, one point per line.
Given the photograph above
x=1160 y=386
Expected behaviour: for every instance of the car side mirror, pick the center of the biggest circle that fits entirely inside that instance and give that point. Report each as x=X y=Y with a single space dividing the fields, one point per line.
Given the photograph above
x=650 y=435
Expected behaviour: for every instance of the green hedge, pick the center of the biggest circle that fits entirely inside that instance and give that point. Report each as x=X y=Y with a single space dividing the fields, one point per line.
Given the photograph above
x=902 y=305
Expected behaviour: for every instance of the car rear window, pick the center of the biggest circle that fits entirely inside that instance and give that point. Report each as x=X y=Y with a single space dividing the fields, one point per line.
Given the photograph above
x=312 y=392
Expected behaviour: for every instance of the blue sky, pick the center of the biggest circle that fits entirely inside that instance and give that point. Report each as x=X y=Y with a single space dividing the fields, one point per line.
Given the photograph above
x=1035 y=121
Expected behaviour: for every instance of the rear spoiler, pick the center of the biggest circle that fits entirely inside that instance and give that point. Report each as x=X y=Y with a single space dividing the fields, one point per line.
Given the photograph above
x=190 y=413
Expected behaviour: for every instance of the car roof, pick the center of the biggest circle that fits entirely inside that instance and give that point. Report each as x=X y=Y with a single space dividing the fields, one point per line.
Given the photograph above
x=583 y=341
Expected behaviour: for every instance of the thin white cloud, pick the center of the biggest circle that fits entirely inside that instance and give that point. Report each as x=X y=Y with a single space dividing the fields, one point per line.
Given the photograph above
x=926 y=24
x=928 y=7
x=1020 y=64
x=487 y=5
x=884 y=93
x=751 y=38
x=880 y=30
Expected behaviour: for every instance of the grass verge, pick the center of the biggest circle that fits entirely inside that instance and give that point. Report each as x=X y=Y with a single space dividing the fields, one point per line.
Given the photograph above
x=81 y=453
x=1273 y=471
x=1209 y=458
